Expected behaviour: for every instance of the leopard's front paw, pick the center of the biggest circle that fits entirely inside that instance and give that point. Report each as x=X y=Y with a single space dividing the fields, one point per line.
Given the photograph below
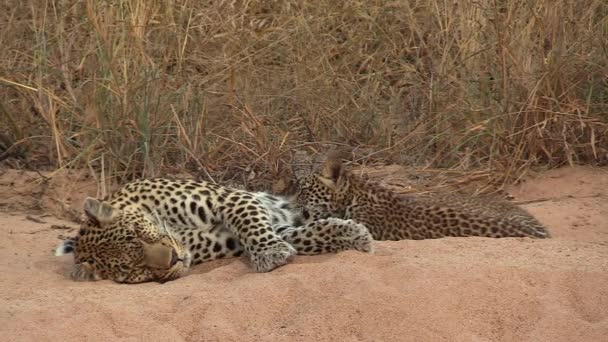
x=84 y=272
x=351 y=235
x=272 y=257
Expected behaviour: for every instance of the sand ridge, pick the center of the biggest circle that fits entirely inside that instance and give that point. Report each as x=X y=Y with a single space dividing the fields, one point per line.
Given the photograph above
x=452 y=289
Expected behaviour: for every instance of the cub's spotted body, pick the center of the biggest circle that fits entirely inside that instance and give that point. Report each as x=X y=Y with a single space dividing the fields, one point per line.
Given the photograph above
x=389 y=216
x=197 y=222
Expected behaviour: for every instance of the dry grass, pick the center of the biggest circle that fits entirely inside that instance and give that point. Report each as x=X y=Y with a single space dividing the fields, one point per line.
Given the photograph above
x=231 y=90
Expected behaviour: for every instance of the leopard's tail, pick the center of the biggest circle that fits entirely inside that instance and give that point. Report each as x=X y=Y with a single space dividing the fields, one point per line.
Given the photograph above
x=65 y=247
x=527 y=225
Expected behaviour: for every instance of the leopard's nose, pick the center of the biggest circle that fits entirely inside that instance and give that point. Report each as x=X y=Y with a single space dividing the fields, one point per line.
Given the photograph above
x=174 y=258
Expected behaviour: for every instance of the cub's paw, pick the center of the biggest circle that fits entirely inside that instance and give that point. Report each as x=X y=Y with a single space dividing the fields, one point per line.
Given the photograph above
x=272 y=257
x=351 y=235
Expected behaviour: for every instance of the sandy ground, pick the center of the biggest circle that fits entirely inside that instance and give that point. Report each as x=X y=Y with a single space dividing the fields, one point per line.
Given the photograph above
x=453 y=289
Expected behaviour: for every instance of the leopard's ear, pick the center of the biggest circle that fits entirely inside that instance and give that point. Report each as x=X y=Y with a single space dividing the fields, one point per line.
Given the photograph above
x=285 y=186
x=158 y=255
x=98 y=211
x=333 y=169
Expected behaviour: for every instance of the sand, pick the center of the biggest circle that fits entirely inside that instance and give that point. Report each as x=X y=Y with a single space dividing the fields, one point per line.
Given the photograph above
x=452 y=289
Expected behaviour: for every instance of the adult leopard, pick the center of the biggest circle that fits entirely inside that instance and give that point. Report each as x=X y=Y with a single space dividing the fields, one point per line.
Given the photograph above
x=155 y=229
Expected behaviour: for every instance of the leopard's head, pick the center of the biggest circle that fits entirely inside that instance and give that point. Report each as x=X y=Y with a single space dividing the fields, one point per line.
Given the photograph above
x=323 y=194
x=126 y=246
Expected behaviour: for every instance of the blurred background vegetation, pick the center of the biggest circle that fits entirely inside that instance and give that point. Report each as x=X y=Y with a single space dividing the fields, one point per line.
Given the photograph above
x=235 y=90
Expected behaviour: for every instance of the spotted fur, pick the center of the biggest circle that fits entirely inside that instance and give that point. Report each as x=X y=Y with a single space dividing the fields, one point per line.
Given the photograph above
x=207 y=222
x=336 y=192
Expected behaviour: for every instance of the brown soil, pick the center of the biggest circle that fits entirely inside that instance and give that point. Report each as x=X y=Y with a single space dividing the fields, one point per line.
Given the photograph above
x=453 y=289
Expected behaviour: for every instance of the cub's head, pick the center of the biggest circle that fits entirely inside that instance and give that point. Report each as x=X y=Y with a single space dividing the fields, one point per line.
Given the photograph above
x=126 y=246
x=323 y=194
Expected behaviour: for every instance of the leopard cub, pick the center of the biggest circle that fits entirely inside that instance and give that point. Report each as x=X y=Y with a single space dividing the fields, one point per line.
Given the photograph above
x=336 y=192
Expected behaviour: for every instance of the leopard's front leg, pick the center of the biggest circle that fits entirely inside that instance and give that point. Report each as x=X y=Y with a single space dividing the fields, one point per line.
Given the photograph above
x=327 y=236
x=250 y=221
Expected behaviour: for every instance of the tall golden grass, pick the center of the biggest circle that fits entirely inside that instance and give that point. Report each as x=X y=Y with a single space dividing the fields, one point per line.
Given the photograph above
x=233 y=89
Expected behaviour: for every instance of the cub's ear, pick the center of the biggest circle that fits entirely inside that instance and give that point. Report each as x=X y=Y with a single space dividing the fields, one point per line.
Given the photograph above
x=99 y=211
x=333 y=169
x=285 y=186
